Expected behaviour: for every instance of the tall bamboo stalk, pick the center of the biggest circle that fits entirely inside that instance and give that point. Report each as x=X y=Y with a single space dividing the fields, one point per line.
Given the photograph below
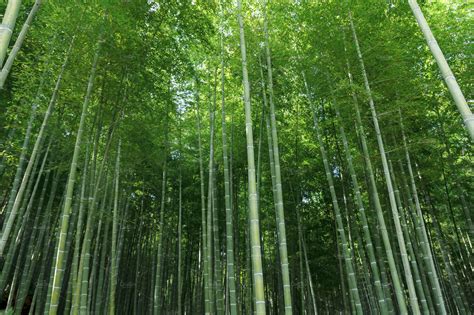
x=85 y=191
x=157 y=297
x=60 y=258
x=258 y=284
x=228 y=207
x=36 y=240
x=18 y=43
x=113 y=249
x=204 y=265
x=411 y=251
x=81 y=288
x=360 y=204
x=26 y=141
x=378 y=207
x=446 y=72
x=348 y=262
x=424 y=242
x=210 y=231
x=388 y=181
x=284 y=264
x=21 y=160
x=7 y=26
x=219 y=295
x=180 y=240
x=36 y=148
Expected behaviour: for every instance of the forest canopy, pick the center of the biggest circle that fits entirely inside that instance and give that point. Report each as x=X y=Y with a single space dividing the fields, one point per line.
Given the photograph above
x=236 y=157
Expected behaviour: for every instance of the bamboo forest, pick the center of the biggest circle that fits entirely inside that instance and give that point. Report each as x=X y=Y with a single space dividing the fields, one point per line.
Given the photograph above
x=236 y=157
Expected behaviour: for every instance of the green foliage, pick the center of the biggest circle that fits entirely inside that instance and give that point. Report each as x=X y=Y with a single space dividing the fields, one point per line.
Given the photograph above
x=157 y=62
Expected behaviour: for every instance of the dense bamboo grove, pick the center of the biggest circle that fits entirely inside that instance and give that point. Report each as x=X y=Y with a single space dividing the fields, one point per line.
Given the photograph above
x=236 y=157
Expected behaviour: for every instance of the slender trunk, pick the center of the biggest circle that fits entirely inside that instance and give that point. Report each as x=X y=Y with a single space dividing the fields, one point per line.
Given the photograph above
x=204 y=265
x=411 y=252
x=258 y=285
x=24 y=148
x=36 y=241
x=345 y=301
x=217 y=250
x=115 y=227
x=303 y=256
x=301 y=269
x=8 y=24
x=50 y=276
x=348 y=262
x=446 y=72
x=228 y=207
x=36 y=149
x=19 y=41
x=21 y=161
x=79 y=302
x=424 y=242
x=210 y=232
x=278 y=184
x=365 y=225
x=158 y=297
x=60 y=258
x=310 y=279
x=388 y=181
x=378 y=208
x=79 y=230
x=418 y=252
x=25 y=235
x=85 y=276
x=458 y=294
x=180 y=219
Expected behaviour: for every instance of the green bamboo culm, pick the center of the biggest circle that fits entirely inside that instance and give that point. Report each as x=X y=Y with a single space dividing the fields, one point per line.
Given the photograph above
x=400 y=238
x=210 y=233
x=362 y=214
x=36 y=148
x=157 y=290
x=18 y=43
x=423 y=238
x=81 y=294
x=257 y=270
x=113 y=249
x=377 y=205
x=180 y=238
x=448 y=76
x=282 y=244
x=204 y=249
x=60 y=257
x=348 y=261
x=229 y=217
x=7 y=26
